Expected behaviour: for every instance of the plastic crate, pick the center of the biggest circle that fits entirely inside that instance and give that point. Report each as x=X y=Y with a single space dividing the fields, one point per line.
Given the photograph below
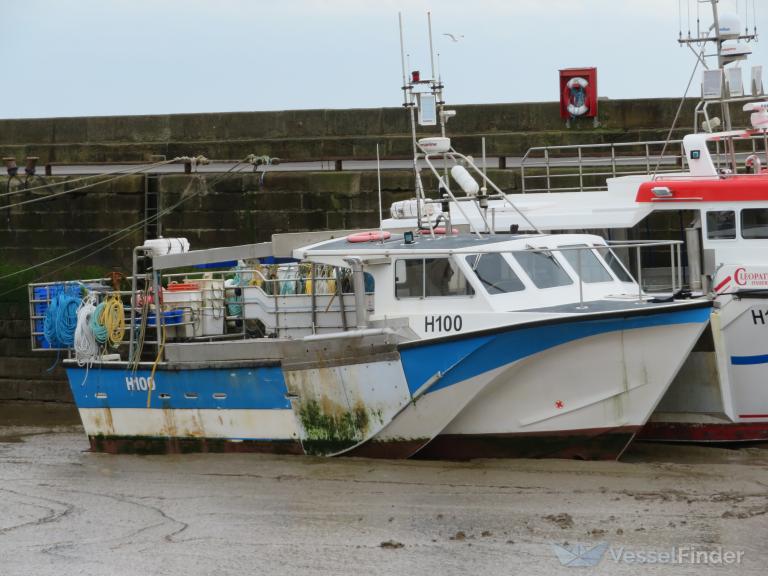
x=169 y=318
x=46 y=294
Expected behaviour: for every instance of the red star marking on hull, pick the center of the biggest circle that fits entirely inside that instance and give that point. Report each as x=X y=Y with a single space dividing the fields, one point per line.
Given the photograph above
x=559 y=404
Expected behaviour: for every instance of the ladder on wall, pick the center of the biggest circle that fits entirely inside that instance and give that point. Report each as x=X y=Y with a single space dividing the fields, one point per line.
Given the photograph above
x=153 y=223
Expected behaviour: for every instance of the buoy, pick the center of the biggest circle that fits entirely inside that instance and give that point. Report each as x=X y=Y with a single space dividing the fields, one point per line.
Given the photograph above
x=371 y=236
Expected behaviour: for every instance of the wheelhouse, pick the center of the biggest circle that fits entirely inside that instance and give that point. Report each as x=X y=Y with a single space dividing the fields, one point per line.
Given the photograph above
x=492 y=274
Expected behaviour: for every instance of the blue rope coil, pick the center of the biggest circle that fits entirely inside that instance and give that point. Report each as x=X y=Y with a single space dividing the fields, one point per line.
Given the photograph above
x=61 y=320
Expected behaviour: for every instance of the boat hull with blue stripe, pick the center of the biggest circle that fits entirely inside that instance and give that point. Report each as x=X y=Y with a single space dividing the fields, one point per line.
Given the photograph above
x=527 y=389
x=571 y=387
x=720 y=395
x=458 y=354
x=184 y=409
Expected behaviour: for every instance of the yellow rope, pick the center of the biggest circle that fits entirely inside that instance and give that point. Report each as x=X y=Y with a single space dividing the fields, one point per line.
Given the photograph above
x=112 y=318
x=158 y=311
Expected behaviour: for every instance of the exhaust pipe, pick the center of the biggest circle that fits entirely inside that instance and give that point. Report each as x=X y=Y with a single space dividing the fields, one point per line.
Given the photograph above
x=693 y=251
x=358 y=283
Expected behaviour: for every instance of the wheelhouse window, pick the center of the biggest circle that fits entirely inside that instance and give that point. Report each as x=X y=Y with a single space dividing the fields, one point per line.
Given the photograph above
x=429 y=277
x=542 y=268
x=589 y=268
x=409 y=278
x=614 y=263
x=494 y=273
x=721 y=225
x=754 y=223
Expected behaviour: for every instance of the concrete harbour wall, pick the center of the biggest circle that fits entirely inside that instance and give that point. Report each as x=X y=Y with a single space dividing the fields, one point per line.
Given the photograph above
x=323 y=134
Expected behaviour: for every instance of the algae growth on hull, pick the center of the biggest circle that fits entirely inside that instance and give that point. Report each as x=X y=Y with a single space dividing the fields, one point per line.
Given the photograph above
x=327 y=432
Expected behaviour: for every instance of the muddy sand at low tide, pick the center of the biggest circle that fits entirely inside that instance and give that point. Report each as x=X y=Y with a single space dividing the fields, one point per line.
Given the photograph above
x=66 y=511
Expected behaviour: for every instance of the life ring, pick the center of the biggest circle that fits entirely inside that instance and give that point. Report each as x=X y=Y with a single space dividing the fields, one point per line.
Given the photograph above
x=441 y=230
x=577 y=100
x=371 y=236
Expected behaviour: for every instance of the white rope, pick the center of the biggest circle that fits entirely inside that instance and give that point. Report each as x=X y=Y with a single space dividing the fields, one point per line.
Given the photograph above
x=124 y=172
x=86 y=347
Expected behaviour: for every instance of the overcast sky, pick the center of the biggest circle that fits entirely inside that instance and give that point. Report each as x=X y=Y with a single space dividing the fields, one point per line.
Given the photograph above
x=106 y=57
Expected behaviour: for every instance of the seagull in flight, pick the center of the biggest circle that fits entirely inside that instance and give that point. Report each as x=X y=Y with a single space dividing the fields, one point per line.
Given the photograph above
x=454 y=37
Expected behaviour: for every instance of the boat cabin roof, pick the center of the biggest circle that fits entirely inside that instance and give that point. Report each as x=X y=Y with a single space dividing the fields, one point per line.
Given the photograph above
x=442 y=244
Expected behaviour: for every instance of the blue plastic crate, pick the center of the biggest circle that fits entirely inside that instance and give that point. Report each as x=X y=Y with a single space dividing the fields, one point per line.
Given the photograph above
x=40 y=340
x=170 y=317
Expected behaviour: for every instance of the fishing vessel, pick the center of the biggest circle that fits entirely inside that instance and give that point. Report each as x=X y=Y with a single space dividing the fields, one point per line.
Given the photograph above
x=469 y=345
x=439 y=341
x=712 y=185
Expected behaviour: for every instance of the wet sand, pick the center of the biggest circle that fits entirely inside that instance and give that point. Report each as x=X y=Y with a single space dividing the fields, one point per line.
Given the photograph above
x=66 y=511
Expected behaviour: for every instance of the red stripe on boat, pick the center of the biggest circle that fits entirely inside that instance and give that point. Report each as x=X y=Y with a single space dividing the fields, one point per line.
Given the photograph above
x=701 y=432
x=731 y=189
x=723 y=283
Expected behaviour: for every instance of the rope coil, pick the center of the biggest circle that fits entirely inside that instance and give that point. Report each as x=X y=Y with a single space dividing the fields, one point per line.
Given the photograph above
x=86 y=347
x=60 y=320
x=107 y=322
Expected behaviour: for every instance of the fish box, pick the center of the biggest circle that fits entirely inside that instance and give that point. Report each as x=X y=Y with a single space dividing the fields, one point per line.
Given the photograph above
x=189 y=299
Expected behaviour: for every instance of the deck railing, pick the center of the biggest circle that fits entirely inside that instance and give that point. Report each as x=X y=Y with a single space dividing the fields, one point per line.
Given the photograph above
x=584 y=167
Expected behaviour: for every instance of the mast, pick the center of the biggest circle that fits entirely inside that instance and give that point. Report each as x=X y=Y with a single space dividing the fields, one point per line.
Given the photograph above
x=409 y=103
x=726 y=109
x=723 y=59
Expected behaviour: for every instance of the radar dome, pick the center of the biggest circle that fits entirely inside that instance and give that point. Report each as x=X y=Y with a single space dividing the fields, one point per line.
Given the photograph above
x=730 y=25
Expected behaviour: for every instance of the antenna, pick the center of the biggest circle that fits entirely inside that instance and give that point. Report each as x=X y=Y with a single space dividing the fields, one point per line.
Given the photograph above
x=402 y=55
x=431 y=50
x=754 y=17
x=427 y=95
x=409 y=104
x=746 y=17
x=378 y=178
x=698 y=19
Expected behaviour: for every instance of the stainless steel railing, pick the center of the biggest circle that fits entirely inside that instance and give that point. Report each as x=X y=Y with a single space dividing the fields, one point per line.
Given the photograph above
x=573 y=168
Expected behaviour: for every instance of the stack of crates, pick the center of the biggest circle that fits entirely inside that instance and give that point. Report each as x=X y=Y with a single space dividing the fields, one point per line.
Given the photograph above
x=41 y=300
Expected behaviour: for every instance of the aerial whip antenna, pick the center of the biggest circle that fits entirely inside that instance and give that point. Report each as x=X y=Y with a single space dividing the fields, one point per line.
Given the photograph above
x=402 y=53
x=431 y=50
x=378 y=179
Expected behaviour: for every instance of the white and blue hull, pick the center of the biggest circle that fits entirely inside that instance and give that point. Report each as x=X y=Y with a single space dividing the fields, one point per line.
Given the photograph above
x=572 y=386
x=213 y=409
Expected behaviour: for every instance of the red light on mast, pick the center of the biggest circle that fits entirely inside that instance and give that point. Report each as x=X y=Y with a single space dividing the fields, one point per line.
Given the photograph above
x=415 y=76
